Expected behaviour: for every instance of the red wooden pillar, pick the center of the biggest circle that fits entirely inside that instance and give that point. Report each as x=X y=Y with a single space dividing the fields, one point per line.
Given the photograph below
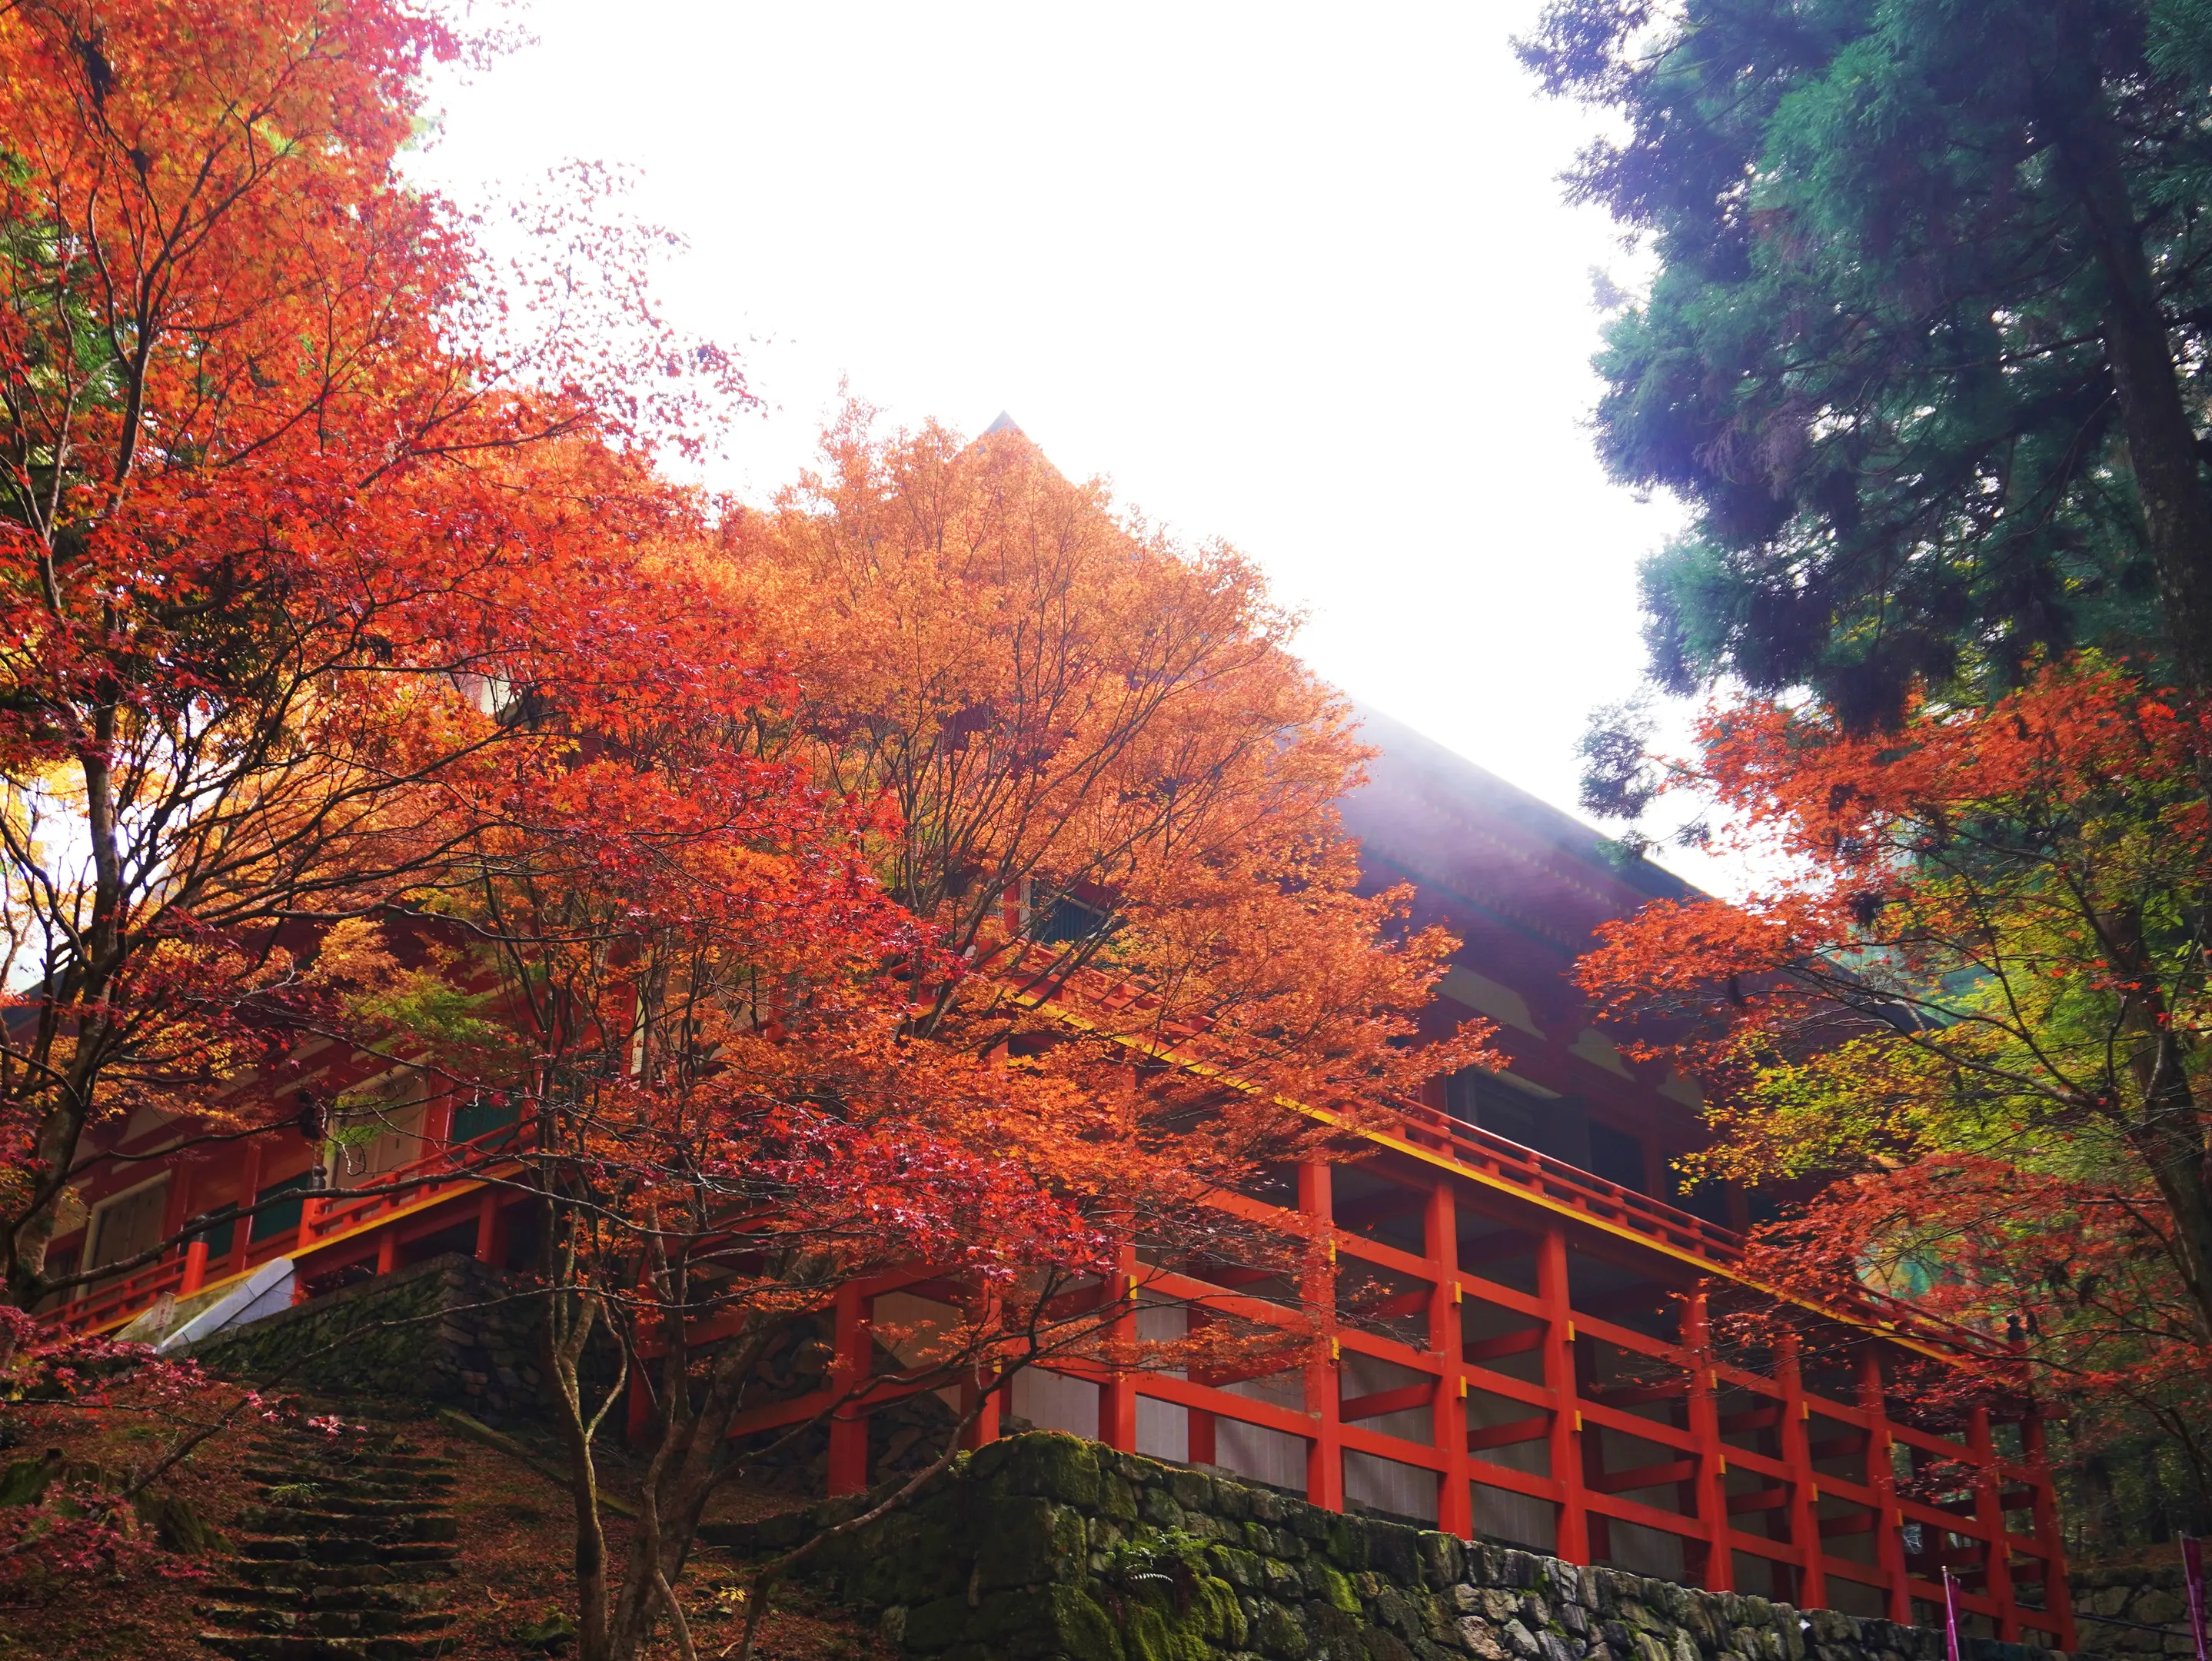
x=241 y=1235
x=310 y=1212
x=1455 y=1502
x=1325 y=1448
x=985 y=1425
x=177 y=1203
x=978 y=1395
x=2056 y=1602
x=1804 y=1491
x=1559 y=1351
x=1988 y=1514
x=387 y=1251
x=1882 y=1478
x=196 y=1261
x=1202 y=1444
x=851 y=1354
x=437 y=1126
x=491 y=1230
x=1117 y=1391
x=1702 y=1401
x=637 y=1406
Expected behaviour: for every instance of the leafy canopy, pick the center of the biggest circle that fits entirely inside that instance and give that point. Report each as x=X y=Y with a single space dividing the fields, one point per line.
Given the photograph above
x=1971 y=1016
x=1925 y=350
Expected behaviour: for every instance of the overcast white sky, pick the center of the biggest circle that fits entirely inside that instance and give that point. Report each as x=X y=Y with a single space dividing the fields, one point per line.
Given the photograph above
x=1295 y=275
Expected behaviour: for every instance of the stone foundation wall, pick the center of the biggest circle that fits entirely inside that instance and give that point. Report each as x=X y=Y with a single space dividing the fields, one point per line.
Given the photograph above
x=1043 y=1546
x=461 y=1346
x=2148 y=1597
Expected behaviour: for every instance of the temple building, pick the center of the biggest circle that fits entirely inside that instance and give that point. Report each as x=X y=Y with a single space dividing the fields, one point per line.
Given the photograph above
x=1527 y=1343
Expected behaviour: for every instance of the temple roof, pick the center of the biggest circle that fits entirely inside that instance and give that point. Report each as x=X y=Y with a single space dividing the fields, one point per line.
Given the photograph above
x=1486 y=853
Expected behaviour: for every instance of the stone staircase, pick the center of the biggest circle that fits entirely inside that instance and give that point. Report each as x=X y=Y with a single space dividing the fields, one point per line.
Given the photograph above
x=346 y=1557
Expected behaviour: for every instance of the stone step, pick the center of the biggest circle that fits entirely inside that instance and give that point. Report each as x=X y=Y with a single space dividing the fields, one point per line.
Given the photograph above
x=406 y=1596
x=343 y=1550
x=348 y=1451
x=368 y=1484
x=298 y=1523
x=337 y=1496
x=296 y=1574
x=314 y=1513
x=323 y=1624
x=271 y=1646
x=364 y=1470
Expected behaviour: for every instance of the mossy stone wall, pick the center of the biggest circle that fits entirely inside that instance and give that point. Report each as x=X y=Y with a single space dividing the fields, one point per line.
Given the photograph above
x=1043 y=1546
x=448 y=1330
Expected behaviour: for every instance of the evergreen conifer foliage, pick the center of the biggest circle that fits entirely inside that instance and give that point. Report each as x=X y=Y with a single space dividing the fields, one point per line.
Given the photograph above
x=1926 y=346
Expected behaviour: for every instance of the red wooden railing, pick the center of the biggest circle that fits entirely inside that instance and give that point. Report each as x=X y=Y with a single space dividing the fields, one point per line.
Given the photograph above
x=327 y=1218
x=1487 y=1154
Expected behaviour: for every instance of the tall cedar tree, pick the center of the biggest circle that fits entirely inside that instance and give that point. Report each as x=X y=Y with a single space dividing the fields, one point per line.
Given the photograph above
x=1926 y=348
x=1973 y=1014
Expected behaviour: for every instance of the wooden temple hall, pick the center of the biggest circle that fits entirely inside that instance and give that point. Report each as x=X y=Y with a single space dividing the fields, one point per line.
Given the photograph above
x=1523 y=1350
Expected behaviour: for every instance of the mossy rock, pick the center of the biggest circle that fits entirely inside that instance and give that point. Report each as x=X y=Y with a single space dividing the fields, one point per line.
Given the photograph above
x=549 y=1634
x=1031 y=1542
x=937 y=1625
x=1443 y=1559
x=24 y=1482
x=177 y=1524
x=1043 y=1463
x=1345 y=1542
x=1332 y=1586
x=1043 y=1620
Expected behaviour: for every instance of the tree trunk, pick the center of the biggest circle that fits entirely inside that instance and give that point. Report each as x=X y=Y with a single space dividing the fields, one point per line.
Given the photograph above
x=2170 y=1138
x=569 y=1317
x=2161 y=444
x=688 y=1464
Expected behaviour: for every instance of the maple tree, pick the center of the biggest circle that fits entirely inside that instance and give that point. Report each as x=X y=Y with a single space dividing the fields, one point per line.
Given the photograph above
x=784 y=983
x=299 y=523
x=62 y=1522
x=1970 y=1012
x=1114 y=789
x=368 y=687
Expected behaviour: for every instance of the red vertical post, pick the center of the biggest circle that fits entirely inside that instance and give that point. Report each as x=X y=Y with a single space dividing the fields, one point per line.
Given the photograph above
x=491 y=1243
x=1324 y=1449
x=1882 y=1478
x=1440 y=1232
x=1704 y=1415
x=241 y=1235
x=2057 y=1602
x=979 y=1395
x=437 y=1126
x=177 y=1203
x=310 y=1212
x=850 y=1356
x=1988 y=1514
x=637 y=1406
x=985 y=1404
x=1117 y=1391
x=387 y=1251
x=1797 y=1456
x=195 y=1258
x=1202 y=1442
x=1566 y=1434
